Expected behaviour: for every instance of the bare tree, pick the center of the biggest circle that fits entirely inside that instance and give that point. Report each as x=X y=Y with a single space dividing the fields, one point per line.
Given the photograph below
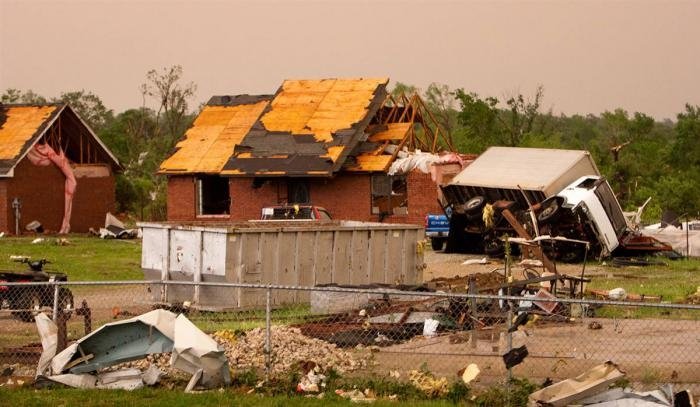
x=165 y=87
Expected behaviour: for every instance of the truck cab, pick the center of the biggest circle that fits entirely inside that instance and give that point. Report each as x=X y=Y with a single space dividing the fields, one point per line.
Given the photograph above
x=591 y=201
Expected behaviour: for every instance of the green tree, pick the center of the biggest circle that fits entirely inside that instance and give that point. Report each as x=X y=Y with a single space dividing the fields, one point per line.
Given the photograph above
x=12 y=95
x=172 y=97
x=89 y=106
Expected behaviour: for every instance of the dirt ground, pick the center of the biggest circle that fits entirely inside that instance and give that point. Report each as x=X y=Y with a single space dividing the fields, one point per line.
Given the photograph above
x=448 y=265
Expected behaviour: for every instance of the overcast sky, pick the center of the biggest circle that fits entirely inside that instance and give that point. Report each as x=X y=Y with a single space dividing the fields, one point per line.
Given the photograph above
x=590 y=56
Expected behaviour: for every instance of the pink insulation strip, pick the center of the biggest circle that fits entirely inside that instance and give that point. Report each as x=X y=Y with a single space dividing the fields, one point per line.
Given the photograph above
x=43 y=155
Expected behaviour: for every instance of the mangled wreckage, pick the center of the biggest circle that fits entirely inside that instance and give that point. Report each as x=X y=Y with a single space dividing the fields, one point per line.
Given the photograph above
x=529 y=192
x=83 y=364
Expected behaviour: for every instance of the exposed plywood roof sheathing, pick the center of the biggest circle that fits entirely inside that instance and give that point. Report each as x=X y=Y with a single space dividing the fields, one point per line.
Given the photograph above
x=209 y=143
x=22 y=126
x=313 y=124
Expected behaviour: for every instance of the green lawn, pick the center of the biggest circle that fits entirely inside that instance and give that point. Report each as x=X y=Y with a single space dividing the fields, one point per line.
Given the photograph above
x=174 y=398
x=85 y=258
x=673 y=282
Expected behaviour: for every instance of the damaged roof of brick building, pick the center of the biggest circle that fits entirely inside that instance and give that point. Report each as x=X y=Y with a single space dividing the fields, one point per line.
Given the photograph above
x=308 y=128
x=22 y=126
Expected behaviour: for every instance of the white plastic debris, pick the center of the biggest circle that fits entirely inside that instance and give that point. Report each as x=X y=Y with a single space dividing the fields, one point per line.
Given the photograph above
x=617 y=294
x=476 y=261
x=430 y=327
x=470 y=373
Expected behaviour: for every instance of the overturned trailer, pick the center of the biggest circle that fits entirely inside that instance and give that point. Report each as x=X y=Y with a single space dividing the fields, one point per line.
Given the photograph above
x=292 y=253
x=539 y=191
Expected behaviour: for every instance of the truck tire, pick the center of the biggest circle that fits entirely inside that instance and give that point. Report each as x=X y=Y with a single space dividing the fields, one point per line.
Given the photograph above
x=474 y=205
x=550 y=211
x=437 y=243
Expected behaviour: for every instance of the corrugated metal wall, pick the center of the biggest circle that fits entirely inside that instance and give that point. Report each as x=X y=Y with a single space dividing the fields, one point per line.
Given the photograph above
x=348 y=253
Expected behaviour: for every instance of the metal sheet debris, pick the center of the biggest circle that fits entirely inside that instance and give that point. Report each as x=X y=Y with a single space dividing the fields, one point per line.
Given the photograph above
x=155 y=332
x=589 y=383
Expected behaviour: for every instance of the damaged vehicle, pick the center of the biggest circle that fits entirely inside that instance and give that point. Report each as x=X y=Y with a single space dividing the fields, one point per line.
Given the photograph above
x=528 y=192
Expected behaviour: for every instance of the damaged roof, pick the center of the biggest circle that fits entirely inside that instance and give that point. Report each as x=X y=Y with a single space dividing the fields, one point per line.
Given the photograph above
x=309 y=128
x=219 y=127
x=22 y=126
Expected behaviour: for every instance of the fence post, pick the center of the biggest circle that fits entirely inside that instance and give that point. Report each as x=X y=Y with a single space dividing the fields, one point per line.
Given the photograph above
x=268 y=333
x=56 y=288
x=509 y=347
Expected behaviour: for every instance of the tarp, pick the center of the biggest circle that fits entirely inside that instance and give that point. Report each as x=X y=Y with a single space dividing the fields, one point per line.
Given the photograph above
x=677 y=239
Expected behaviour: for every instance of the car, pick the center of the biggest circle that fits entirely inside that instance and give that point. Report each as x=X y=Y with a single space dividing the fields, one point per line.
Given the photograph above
x=297 y=212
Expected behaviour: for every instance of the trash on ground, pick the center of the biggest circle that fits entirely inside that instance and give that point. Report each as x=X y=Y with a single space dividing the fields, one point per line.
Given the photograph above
x=115 y=229
x=476 y=261
x=428 y=384
x=469 y=373
x=515 y=356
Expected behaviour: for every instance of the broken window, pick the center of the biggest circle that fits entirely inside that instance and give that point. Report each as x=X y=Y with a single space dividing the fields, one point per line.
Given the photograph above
x=389 y=195
x=213 y=195
x=298 y=192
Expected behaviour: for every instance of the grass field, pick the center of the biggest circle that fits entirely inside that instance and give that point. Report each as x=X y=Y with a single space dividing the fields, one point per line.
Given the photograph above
x=673 y=282
x=85 y=258
x=174 y=398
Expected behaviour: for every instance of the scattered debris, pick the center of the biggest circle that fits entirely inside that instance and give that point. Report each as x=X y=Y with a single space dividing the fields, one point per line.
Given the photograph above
x=476 y=261
x=115 y=229
x=430 y=327
x=312 y=381
x=357 y=396
x=34 y=226
x=620 y=294
x=38 y=240
x=427 y=383
x=587 y=384
x=469 y=373
x=595 y=325
x=515 y=356
x=62 y=241
x=155 y=332
x=289 y=347
x=617 y=294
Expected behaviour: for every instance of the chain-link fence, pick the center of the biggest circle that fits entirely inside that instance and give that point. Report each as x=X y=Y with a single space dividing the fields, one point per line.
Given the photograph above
x=379 y=332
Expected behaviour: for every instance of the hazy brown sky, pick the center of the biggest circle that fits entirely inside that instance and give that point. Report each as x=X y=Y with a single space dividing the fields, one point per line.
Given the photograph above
x=590 y=56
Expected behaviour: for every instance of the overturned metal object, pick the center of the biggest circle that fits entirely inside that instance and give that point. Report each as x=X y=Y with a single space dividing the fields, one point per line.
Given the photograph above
x=158 y=331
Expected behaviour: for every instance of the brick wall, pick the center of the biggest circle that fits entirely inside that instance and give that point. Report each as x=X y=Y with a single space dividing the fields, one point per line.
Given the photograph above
x=41 y=191
x=93 y=198
x=181 y=198
x=4 y=203
x=346 y=197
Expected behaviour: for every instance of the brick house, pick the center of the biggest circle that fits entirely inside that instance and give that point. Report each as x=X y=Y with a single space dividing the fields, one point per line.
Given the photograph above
x=54 y=169
x=329 y=143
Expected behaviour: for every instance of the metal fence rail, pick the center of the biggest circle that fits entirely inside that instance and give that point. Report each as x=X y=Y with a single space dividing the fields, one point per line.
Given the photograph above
x=380 y=332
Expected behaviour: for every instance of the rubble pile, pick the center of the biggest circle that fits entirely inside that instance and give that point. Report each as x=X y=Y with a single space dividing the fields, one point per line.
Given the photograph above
x=159 y=360
x=289 y=347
